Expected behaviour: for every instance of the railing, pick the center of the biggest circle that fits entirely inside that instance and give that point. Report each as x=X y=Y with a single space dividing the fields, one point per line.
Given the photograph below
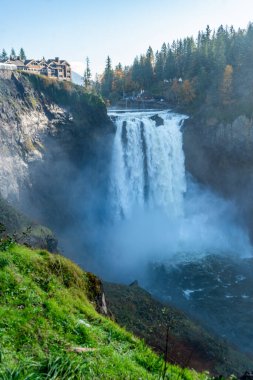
x=9 y=67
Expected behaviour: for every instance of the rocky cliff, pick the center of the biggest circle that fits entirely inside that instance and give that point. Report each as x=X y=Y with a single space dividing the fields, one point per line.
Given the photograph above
x=220 y=155
x=34 y=111
x=51 y=134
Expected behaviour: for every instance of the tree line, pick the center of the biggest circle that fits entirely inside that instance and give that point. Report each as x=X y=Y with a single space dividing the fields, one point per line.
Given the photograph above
x=4 y=55
x=214 y=67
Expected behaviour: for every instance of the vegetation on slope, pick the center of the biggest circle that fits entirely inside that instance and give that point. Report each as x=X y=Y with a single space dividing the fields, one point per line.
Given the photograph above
x=188 y=343
x=87 y=107
x=24 y=230
x=50 y=329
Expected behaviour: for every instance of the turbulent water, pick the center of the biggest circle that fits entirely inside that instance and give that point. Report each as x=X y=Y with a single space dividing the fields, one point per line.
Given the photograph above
x=181 y=241
x=147 y=163
x=157 y=214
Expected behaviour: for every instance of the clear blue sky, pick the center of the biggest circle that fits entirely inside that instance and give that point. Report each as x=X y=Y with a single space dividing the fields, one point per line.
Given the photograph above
x=74 y=29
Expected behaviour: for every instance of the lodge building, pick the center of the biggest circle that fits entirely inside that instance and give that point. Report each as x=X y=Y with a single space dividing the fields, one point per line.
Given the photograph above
x=53 y=68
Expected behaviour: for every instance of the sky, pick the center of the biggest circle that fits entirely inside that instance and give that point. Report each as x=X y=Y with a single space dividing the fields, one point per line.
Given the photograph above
x=75 y=29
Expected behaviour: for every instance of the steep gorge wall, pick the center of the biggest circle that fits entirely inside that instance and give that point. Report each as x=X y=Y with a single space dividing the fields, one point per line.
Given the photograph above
x=34 y=111
x=220 y=155
x=51 y=135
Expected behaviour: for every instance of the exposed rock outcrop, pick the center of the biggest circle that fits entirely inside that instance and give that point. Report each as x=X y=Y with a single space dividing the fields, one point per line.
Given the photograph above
x=33 y=113
x=158 y=120
x=51 y=133
x=221 y=156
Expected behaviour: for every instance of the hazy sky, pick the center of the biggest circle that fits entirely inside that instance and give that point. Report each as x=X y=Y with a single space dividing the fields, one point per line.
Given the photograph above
x=74 y=29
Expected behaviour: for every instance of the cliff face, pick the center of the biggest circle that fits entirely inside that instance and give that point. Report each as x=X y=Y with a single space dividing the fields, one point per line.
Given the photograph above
x=221 y=156
x=23 y=130
x=33 y=113
x=51 y=134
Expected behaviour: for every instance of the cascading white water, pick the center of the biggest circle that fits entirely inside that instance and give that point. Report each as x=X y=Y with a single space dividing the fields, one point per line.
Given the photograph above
x=147 y=164
x=151 y=217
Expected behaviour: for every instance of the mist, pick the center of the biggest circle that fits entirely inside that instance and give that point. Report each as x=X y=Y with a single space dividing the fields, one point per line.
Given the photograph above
x=210 y=226
x=106 y=228
x=171 y=221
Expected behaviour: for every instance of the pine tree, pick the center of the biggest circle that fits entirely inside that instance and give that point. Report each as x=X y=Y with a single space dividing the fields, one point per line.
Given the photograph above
x=3 y=56
x=164 y=51
x=97 y=85
x=148 y=69
x=159 y=66
x=22 y=55
x=220 y=49
x=108 y=66
x=87 y=75
x=170 y=70
x=13 y=54
x=107 y=80
x=150 y=56
x=136 y=71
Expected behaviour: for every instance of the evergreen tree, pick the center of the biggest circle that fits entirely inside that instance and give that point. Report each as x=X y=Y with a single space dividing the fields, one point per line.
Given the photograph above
x=136 y=71
x=13 y=54
x=215 y=68
x=106 y=86
x=170 y=66
x=97 y=85
x=22 y=55
x=220 y=49
x=148 y=68
x=150 y=56
x=108 y=66
x=4 y=55
x=249 y=38
x=164 y=51
x=87 y=75
x=159 y=66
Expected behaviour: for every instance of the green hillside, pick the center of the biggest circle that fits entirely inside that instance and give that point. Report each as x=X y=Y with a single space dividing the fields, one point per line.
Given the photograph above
x=50 y=329
x=189 y=344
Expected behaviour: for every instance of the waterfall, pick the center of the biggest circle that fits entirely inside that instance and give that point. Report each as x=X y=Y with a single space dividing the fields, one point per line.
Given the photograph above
x=147 y=171
x=152 y=217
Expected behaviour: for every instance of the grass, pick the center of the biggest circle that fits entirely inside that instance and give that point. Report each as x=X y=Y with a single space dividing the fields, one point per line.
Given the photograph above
x=14 y=223
x=189 y=344
x=65 y=94
x=45 y=314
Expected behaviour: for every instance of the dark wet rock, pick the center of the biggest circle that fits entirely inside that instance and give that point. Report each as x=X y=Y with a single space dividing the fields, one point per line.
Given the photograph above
x=158 y=120
x=96 y=293
x=220 y=156
x=247 y=376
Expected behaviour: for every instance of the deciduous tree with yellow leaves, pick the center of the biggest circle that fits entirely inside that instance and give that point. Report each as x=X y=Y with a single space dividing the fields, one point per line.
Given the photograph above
x=227 y=85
